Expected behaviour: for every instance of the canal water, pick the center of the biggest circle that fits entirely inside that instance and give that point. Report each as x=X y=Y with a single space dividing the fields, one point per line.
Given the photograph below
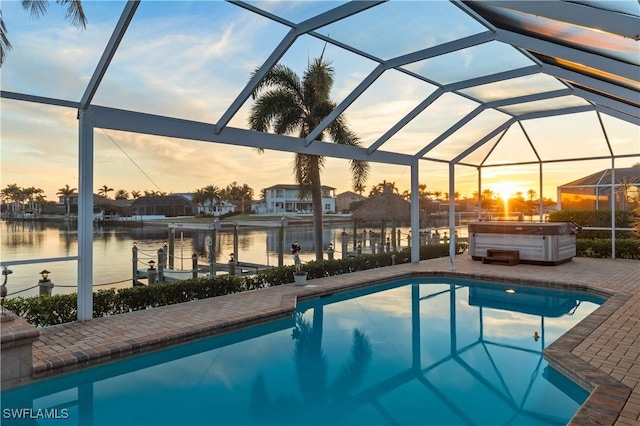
x=112 y=250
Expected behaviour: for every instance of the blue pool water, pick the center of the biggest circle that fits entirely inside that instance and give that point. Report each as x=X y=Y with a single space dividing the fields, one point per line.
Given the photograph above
x=415 y=352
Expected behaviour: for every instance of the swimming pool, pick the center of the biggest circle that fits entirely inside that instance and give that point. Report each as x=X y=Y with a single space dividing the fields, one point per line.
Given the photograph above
x=423 y=351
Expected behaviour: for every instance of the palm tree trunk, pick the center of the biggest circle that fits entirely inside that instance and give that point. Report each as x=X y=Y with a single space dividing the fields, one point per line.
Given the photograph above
x=316 y=199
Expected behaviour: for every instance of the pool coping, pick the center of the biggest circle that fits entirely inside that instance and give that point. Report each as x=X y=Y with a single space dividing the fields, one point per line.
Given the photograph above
x=603 y=406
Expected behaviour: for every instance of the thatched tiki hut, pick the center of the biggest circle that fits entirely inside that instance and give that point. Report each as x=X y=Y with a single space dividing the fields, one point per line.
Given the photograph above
x=384 y=208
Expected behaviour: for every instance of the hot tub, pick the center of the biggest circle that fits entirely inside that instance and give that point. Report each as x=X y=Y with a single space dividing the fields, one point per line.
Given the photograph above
x=548 y=243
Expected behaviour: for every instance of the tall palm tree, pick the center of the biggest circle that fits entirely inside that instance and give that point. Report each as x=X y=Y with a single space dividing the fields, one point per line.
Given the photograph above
x=288 y=104
x=104 y=191
x=11 y=193
x=38 y=8
x=246 y=193
x=212 y=195
x=199 y=198
x=66 y=192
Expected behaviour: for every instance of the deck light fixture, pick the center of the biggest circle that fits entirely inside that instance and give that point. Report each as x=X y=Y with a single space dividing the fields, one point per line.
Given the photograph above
x=510 y=291
x=45 y=284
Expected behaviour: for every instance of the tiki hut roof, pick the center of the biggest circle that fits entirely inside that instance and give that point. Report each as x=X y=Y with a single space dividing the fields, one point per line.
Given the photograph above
x=386 y=206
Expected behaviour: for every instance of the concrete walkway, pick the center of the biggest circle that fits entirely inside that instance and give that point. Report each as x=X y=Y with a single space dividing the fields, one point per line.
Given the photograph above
x=602 y=353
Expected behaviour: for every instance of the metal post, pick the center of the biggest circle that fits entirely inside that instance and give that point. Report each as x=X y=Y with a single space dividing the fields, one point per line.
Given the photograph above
x=355 y=233
x=281 y=243
x=172 y=248
x=235 y=241
x=134 y=254
x=452 y=216
x=232 y=264
x=151 y=273
x=166 y=251
x=212 y=257
x=194 y=266
x=212 y=247
x=45 y=287
x=85 y=215
x=415 y=213
x=161 y=261
x=344 y=244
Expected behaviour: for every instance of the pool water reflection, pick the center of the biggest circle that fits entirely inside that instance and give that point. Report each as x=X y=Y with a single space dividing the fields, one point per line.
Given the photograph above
x=423 y=351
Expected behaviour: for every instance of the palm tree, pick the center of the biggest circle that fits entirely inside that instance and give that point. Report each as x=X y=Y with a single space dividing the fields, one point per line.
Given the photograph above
x=312 y=368
x=212 y=195
x=38 y=8
x=122 y=194
x=246 y=193
x=66 y=192
x=288 y=104
x=380 y=188
x=136 y=194
x=11 y=193
x=199 y=198
x=104 y=191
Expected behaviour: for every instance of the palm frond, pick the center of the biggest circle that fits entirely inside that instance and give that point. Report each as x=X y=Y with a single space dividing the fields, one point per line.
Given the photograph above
x=317 y=82
x=4 y=40
x=268 y=107
x=75 y=13
x=279 y=76
x=36 y=8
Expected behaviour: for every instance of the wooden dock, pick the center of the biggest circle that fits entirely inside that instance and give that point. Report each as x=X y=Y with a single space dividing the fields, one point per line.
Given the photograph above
x=173 y=275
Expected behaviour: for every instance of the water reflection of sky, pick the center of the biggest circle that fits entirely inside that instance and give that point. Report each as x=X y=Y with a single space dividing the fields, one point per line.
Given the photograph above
x=376 y=358
x=113 y=257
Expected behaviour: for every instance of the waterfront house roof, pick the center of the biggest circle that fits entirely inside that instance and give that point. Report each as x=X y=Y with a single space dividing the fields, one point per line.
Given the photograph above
x=603 y=177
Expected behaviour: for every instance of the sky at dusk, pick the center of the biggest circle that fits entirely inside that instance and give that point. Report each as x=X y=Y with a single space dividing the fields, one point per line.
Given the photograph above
x=191 y=59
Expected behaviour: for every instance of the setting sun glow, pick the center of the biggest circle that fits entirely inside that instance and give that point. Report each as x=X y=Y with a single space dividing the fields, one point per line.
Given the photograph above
x=506 y=190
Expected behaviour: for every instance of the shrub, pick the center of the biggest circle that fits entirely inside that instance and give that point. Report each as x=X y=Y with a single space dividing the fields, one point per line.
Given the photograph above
x=595 y=218
x=626 y=248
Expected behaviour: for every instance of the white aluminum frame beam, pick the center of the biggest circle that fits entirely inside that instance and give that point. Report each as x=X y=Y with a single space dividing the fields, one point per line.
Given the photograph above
x=399 y=61
x=576 y=14
x=109 y=51
x=553 y=50
x=137 y=122
x=39 y=99
x=326 y=18
x=85 y=215
x=415 y=212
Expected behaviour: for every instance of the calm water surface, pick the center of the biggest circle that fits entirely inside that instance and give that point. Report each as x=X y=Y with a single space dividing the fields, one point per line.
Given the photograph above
x=112 y=250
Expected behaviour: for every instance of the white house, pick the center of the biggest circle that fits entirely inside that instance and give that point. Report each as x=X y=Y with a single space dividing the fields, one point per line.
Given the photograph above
x=284 y=199
x=218 y=209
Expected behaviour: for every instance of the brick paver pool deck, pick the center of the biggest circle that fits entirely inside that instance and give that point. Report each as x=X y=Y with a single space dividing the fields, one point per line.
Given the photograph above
x=602 y=352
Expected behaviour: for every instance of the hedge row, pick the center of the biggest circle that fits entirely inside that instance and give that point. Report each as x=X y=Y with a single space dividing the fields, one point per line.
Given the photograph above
x=626 y=248
x=595 y=218
x=62 y=308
